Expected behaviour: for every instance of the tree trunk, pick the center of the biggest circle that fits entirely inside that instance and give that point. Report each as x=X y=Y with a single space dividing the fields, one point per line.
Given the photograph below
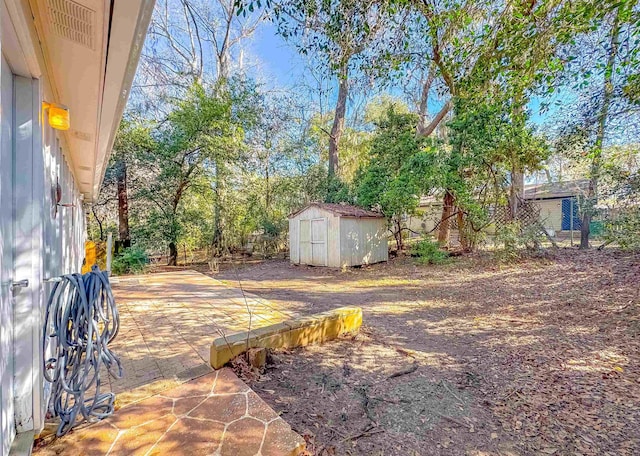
x=596 y=163
x=173 y=254
x=424 y=104
x=216 y=243
x=173 y=235
x=428 y=129
x=398 y=235
x=444 y=230
x=516 y=191
x=223 y=66
x=462 y=233
x=217 y=231
x=99 y=222
x=267 y=189
x=123 y=204
x=338 y=119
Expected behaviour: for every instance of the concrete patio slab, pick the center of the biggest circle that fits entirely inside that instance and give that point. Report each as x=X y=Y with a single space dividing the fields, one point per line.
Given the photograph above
x=216 y=414
x=170 y=401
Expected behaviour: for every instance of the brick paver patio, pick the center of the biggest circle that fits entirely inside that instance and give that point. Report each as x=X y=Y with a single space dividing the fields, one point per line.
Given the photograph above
x=170 y=400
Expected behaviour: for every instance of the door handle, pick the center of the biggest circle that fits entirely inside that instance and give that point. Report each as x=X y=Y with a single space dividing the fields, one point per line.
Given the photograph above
x=20 y=284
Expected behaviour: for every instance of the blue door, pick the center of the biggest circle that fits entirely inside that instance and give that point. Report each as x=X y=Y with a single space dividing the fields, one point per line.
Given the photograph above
x=570 y=205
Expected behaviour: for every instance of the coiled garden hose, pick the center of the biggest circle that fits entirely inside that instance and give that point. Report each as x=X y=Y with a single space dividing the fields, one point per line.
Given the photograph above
x=81 y=319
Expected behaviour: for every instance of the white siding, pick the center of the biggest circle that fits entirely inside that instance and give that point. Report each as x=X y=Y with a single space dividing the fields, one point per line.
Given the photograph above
x=314 y=216
x=7 y=423
x=294 y=240
x=44 y=245
x=363 y=241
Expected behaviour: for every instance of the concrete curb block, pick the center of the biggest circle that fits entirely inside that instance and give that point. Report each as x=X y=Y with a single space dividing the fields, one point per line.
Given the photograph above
x=288 y=334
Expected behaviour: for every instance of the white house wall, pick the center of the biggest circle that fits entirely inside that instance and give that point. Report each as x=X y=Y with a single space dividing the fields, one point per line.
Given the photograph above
x=7 y=421
x=35 y=242
x=45 y=245
x=425 y=219
x=550 y=213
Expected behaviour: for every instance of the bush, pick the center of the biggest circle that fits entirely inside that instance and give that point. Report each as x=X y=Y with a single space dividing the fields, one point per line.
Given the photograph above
x=513 y=238
x=132 y=260
x=508 y=242
x=428 y=252
x=624 y=229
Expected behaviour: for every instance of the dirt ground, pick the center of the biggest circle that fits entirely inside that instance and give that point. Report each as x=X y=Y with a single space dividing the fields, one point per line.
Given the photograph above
x=467 y=358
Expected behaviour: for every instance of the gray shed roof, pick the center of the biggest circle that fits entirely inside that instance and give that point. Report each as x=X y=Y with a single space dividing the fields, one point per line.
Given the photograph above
x=341 y=210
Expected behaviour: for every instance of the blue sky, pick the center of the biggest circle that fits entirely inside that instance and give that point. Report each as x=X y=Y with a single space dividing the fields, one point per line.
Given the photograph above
x=280 y=60
x=282 y=66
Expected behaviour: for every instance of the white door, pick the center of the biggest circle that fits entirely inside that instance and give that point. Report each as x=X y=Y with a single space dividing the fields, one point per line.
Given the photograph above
x=312 y=243
x=304 y=243
x=319 y=242
x=7 y=422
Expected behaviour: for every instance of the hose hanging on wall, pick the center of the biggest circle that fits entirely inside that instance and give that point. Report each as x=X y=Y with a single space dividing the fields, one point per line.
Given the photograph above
x=80 y=320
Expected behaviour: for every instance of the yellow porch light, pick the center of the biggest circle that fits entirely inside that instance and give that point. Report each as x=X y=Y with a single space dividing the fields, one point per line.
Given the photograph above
x=58 y=115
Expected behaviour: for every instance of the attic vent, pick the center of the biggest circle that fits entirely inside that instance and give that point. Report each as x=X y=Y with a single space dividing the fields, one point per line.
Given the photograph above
x=72 y=21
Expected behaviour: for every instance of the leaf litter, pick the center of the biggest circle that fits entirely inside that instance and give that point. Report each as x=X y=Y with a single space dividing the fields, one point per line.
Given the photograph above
x=538 y=357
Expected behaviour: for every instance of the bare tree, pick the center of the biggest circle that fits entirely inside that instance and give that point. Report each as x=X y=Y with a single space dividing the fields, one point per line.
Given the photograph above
x=190 y=41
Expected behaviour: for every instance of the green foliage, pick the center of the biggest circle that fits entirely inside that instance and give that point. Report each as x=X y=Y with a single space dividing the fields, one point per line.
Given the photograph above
x=335 y=32
x=512 y=238
x=624 y=229
x=400 y=167
x=388 y=180
x=225 y=168
x=508 y=242
x=490 y=143
x=427 y=251
x=132 y=260
x=186 y=154
x=225 y=163
x=337 y=191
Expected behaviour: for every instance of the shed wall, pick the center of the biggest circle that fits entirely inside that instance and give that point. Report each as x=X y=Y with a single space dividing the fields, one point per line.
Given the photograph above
x=363 y=241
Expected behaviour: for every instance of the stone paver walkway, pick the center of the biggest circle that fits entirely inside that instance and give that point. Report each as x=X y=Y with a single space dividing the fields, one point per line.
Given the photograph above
x=168 y=322
x=216 y=414
x=170 y=400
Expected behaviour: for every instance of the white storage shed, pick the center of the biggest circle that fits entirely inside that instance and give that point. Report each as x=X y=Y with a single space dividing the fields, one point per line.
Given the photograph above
x=337 y=235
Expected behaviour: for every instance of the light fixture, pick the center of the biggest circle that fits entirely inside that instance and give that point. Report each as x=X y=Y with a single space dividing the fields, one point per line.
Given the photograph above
x=58 y=115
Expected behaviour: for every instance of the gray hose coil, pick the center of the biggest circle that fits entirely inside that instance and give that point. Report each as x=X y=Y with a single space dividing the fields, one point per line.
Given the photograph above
x=81 y=319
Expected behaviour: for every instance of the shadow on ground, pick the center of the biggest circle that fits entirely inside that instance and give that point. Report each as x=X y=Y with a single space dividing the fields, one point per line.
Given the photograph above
x=542 y=355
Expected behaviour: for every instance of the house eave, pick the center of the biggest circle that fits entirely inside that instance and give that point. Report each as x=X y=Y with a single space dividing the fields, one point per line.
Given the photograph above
x=127 y=31
x=92 y=80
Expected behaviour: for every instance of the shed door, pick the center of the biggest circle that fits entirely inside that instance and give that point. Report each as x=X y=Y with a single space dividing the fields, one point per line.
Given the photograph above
x=304 y=234
x=319 y=242
x=7 y=424
x=313 y=241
